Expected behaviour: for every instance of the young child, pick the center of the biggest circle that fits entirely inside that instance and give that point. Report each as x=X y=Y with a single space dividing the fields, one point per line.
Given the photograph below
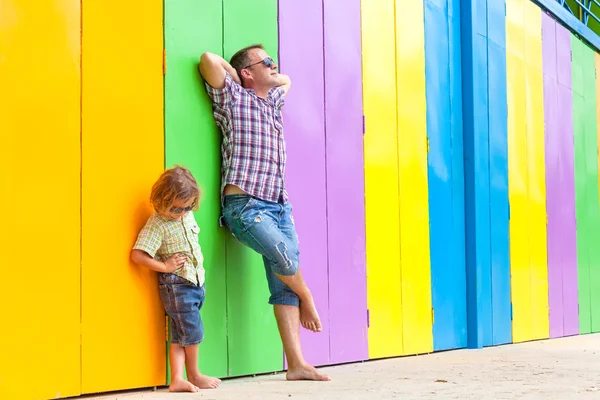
x=168 y=243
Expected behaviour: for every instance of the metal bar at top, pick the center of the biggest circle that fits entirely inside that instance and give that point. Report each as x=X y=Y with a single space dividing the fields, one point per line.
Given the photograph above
x=569 y=20
x=586 y=12
x=565 y=5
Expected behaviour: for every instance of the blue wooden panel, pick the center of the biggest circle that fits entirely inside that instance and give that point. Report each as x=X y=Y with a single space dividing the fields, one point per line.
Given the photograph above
x=499 y=211
x=480 y=77
x=446 y=208
x=476 y=164
x=458 y=171
x=486 y=172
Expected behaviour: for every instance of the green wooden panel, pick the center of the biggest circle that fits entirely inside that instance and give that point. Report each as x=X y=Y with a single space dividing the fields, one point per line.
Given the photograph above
x=254 y=343
x=581 y=197
x=193 y=140
x=591 y=132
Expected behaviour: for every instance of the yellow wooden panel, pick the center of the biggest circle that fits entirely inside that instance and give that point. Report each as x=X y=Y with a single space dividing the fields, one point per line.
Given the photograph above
x=381 y=177
x=39 y=196
x=532 y=19
x=515 y=35
x=414 y=201
x=123 y=341
x=540 y=323
x=518 y=179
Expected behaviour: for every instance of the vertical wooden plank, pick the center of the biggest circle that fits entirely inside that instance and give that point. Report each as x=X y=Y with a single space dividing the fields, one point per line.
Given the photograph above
x=518 y=172
x=40 y=161
x=553 y=177
x=253 y=340
x=448 y=279
x=567 y=183
x=123 y=154
x=458 y=171
x=536 y=171
x=193 y=140
x=301 y=38
x=477 y=177
x=345 y=181
x=483 y=50
x=597 y=68
x=591 y=151
x=498 y=174
x=384 y=289
x=583 y=257
x=595 y=272
x=412 y=144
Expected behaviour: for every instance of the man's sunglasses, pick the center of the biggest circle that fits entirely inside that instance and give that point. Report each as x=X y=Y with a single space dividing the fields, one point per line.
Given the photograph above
x=268 y=61
x=179 y=210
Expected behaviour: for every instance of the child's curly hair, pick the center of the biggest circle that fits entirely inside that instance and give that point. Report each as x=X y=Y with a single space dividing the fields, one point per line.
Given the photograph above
x=174 y=184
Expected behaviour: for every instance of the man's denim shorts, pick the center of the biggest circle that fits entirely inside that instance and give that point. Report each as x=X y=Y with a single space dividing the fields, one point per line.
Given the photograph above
x=183 y=301
x=267 y=228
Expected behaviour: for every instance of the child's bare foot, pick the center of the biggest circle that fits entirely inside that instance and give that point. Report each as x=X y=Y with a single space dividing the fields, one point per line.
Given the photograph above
x=181 y=385
x=307 y=373
x=205 y=382
x=309 y=318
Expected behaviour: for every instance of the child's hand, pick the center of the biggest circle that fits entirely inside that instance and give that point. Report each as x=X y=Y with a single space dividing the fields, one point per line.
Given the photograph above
x=174 y=262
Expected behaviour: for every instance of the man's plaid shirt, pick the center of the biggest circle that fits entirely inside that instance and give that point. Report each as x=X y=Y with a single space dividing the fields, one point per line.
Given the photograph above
x=253 y=147
x=162 y=237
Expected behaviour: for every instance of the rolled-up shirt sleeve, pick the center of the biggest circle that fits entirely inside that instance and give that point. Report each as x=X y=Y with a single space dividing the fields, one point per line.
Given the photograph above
x=277 y=94
x=226 y=96
x=150 y=238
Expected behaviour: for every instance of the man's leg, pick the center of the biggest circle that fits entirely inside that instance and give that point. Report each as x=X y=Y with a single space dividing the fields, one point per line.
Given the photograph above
x=309 y=316
x=288 y=322
x=287 y=313
x=257 y=225
x=268 y=229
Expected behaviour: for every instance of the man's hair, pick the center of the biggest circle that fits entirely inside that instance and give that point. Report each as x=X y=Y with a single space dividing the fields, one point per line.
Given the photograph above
x=174 y=184
x=241 y=59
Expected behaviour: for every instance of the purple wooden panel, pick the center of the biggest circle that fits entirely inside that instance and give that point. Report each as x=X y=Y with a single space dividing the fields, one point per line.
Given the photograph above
x=301 y=57
x=568 y=224
x=553 y=190
x=345 y=181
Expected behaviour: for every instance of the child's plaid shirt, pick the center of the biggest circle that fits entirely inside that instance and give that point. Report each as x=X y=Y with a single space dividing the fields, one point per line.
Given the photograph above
x=162 y=237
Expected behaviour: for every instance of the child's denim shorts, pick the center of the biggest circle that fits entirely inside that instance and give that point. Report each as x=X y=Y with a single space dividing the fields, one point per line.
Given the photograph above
x=183 y=301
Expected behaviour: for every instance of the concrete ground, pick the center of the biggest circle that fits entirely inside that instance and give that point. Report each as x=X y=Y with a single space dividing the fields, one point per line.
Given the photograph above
x=567 y=368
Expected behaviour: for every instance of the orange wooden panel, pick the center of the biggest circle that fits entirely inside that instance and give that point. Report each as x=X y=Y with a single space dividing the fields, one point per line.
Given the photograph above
x=123 y=340
x=39 y=196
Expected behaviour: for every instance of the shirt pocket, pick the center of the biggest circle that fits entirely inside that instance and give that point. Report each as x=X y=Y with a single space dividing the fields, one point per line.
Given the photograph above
x=193 y=233
x=176 y=245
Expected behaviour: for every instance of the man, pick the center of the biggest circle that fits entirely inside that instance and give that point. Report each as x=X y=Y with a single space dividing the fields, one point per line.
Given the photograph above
x=247 y=98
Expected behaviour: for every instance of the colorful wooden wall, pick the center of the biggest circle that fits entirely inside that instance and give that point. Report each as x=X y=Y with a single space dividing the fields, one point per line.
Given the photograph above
x=442 y=164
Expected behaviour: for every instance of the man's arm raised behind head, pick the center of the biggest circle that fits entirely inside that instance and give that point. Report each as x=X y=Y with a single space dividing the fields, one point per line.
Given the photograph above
x=213 y=68
x=284 y=81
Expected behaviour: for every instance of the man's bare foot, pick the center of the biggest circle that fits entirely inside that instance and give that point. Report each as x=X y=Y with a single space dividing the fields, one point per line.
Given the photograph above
x=309 y=318
x=181 y=385
x=205 y=382
x=306 y=373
